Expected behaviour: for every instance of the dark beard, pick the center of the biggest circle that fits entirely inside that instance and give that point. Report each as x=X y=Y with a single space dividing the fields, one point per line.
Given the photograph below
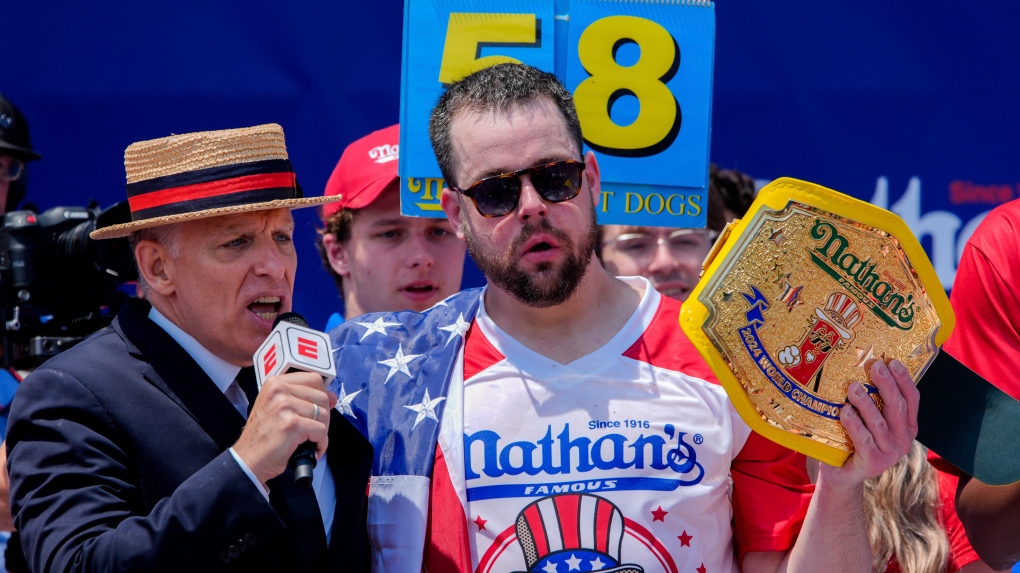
x=546 y=286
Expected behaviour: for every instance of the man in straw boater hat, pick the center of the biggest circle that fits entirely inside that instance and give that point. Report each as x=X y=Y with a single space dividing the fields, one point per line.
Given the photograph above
x=131 y=451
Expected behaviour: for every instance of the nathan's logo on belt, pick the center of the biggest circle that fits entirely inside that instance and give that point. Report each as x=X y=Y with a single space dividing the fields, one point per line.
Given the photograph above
x=675 y=457
x=859 y=277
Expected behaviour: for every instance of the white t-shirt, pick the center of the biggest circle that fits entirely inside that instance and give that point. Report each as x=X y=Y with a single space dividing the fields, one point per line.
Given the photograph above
x=623 y=460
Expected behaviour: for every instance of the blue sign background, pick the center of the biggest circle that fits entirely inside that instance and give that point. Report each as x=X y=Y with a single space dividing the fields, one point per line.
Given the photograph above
x=910 y=106
x=664 y=187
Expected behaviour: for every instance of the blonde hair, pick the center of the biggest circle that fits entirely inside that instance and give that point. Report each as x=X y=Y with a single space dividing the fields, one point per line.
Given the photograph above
x=902 y=508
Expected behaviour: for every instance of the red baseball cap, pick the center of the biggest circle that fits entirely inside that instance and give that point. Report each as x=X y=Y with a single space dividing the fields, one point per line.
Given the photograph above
x=367 y=167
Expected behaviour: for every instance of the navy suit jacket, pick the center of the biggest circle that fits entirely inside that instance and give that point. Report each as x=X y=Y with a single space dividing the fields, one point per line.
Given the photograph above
x=118 y=461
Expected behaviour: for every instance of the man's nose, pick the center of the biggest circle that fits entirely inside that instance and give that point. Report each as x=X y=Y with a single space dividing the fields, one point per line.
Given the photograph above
x=531 y=203
x=419 y=252
x=269 y=261
x=663 y=260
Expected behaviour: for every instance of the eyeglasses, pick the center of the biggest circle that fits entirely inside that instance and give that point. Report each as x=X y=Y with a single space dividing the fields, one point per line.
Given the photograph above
x=11 y=168
x=498 y=195
x=692 y=244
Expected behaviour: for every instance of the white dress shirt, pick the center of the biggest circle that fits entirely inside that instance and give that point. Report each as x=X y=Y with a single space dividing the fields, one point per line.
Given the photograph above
x=224 y=376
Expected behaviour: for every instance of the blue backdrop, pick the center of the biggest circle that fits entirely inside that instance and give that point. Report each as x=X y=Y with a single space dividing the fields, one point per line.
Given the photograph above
x=910 y=105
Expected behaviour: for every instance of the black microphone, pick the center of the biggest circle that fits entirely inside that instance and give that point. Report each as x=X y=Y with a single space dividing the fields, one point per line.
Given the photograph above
x=294 y=347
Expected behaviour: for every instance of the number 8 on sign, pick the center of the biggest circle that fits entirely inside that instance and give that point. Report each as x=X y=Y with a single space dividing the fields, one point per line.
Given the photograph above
x=658 y=119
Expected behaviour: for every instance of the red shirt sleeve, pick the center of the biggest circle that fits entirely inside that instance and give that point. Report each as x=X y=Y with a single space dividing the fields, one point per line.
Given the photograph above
x=986 y=301
x=771 y=493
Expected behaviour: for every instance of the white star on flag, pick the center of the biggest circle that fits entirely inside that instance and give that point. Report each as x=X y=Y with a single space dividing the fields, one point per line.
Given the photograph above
x=597 y=564
x=427 y=409
x=398 y=363
x=550 y=567
x=574 y=563
x=456 y=329
x=343 y=404
x=378 y=326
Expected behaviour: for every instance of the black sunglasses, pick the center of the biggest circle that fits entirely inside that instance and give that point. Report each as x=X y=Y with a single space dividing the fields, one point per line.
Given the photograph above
x=498 y=195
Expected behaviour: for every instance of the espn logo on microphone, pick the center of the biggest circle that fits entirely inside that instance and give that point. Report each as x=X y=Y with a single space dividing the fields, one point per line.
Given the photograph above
x=294 y=347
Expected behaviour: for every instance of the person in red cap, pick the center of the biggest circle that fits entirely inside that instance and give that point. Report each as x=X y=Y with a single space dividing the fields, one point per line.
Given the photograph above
x=380 y=259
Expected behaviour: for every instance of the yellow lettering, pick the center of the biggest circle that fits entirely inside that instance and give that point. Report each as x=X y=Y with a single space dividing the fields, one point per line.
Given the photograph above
x=605 y=200
x=640 y=203
x=669 y=204
x=693 y=201
x=433 y=183
x=648 y=203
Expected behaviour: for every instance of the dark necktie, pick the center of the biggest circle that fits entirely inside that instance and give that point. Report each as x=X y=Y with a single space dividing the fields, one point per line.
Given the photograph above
x=300 y=510
x=246 y=380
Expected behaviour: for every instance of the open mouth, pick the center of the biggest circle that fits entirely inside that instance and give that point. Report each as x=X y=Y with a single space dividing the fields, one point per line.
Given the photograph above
x=266 y=307
x=420 y=288
x=540 y=247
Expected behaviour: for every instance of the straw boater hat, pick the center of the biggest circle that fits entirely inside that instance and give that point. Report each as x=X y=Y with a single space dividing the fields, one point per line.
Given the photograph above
x=208 y=174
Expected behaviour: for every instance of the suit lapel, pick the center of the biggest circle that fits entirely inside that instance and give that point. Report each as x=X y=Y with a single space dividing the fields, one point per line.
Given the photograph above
x=171 y=369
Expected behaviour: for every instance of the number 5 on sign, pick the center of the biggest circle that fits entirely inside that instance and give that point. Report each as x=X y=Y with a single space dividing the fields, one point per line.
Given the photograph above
x=468 y=32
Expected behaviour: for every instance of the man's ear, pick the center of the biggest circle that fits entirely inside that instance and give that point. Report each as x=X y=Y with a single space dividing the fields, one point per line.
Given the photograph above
x=338 y=254
x=156 y=266
x=451 y=204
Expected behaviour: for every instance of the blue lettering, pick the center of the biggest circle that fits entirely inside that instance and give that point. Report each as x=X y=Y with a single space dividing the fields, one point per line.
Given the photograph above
x=489 y=439
x=507 y=464
x=657 y=443
x=582 y=446
x=616 y=462
x=608 y=452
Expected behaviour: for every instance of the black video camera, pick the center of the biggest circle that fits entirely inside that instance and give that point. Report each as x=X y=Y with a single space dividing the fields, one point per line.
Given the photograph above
x=58 y=286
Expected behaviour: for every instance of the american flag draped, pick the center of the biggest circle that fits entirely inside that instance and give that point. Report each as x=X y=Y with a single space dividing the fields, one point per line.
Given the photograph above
x=393 y=376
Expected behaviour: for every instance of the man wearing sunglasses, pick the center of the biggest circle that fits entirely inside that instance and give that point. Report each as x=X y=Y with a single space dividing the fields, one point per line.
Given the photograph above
x=558 y=419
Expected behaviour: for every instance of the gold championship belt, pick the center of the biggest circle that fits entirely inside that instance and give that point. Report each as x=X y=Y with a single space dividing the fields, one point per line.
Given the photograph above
x=799 y=298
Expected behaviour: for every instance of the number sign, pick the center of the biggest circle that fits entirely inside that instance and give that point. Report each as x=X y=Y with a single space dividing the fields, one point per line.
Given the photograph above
x=640 y=72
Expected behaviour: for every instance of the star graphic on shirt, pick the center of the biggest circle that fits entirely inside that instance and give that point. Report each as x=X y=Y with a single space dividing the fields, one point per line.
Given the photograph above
x=456 y=329
x=701 y=569
x=597 y=564
x=685 y=540
x=427 y=409
x=659 y=514
x=550 y=567
x=379 y=326
x=479 y=521
x=574 y=563
x=343 y=402
x=398 y=363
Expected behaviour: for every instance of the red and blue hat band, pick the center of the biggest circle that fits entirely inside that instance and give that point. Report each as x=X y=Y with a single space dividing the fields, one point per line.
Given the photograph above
x=213 y=188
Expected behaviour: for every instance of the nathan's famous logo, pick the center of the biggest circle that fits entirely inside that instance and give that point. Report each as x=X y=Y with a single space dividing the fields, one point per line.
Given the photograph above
x=859 y=277
x=799 y=370
x=562 y=455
